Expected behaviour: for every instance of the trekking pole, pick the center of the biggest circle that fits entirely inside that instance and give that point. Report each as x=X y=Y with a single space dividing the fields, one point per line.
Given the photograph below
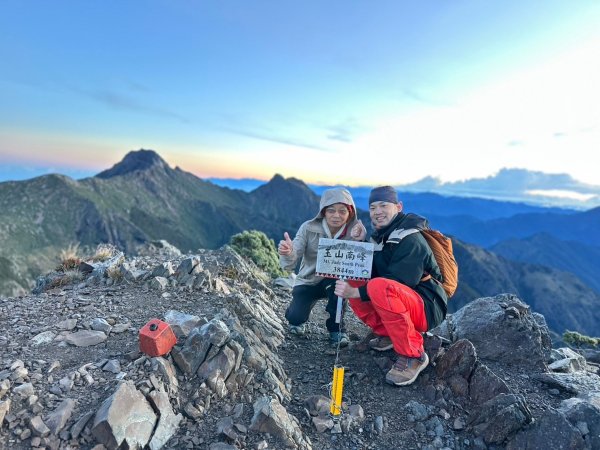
x=339 y=308
x=337 y=386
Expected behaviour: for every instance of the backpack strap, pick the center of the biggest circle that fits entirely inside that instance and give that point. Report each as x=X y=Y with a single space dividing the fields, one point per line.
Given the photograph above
x=400 y=233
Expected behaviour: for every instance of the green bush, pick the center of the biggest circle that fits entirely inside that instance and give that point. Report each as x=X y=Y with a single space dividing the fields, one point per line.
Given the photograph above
x=256 y=246
x=575 y=339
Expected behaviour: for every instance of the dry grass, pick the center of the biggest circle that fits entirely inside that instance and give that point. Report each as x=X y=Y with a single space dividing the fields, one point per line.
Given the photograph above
x=69 y=259
x=230 y=272
x=69 y=276
x=114 y=273
x=103 y=252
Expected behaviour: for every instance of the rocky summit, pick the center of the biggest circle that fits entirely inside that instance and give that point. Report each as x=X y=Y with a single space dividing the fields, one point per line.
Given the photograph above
x=72 y=374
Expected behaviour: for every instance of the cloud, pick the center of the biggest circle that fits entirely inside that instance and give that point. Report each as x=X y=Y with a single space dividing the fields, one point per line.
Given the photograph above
x=136 y=86
x=125 y=103
x=345 y=131
x=266 y=136
x=426 y=100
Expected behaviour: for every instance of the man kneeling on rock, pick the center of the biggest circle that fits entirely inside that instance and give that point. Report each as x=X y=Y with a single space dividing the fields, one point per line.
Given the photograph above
x=403 y=299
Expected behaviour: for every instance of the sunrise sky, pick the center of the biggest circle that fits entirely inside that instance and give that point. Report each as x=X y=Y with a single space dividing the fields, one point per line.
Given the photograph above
x=349 y=92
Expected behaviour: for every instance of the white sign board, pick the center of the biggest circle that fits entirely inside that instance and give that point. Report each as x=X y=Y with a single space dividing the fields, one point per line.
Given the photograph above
x=349 y=260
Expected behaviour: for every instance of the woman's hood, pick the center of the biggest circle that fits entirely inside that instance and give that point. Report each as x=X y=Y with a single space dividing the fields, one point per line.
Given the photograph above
x=333 y=196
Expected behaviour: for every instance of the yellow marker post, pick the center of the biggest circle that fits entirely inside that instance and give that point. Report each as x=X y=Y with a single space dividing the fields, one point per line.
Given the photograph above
x=336 y=391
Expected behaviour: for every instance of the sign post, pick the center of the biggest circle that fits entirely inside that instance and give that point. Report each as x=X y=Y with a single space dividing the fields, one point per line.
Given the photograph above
x=346 y=260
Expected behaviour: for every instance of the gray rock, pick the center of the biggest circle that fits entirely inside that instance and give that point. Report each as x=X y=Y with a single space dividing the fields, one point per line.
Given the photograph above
x=500 y=417
x=552 y=430
x=67 y=324
x=167 y=372
x=418 y=410
x=125 y=418
x=271 y=417
x=322 y=423
x=187 y=266
x=19 y=374
x=164 y=270
x=99 y=324
x=498 y=337
x=4 y=409
x=584 y=413
x=181 y=323
x=379 y=424
x=219 y=366
x=43 y=338
x=459 y=359
x=317 y=405
x=198 y=343
x=101 y=268
x=221 y=446
x=131 y=273
x=459 y=423
x=591 y=355
x=225 y=426
x=112 y=366
x=485 y=385
x=38 y=427
x=58 y=418
x=24 y=390
x=168 y=421
x=192 y=412
x=120 y=327
x=575 y=383
x=85 y=338
x=159 y=248
x=566 y=360
x=158 y=283
x=433 y=346
x=4 y=387
x=80 y=424
x=356 y=412
x=221 y=287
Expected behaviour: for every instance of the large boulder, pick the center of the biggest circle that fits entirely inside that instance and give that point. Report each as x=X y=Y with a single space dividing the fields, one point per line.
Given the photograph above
x=503 y=329
x=552 y=430
x=271 y=417
x=124 y=419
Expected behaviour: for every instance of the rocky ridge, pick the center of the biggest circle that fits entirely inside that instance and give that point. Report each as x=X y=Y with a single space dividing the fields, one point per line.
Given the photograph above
x=72 y=375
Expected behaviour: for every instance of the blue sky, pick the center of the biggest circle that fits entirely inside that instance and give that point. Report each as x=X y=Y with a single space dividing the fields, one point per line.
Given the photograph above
x=330 y=92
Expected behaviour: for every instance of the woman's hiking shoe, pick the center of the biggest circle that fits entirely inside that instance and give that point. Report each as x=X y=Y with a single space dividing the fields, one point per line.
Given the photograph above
x=337 y=337
x=381 y=343
x=406 y=370
x=297 y=329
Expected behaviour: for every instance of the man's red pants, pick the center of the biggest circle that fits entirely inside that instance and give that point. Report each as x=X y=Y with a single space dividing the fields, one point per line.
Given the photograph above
x=395 y=310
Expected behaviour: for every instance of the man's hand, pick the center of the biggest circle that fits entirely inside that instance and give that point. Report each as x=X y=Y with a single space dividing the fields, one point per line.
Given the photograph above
x=344 y=290
x=358 y=231
x=286 y=246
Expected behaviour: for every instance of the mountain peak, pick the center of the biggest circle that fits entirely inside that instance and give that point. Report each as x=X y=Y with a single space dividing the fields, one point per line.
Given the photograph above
x=135 y=161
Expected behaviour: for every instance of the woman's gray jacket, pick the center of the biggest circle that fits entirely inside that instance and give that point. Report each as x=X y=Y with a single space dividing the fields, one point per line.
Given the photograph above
x=307 y=238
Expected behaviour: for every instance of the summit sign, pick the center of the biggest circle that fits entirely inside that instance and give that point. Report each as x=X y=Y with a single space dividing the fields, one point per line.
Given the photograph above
x=344 y=259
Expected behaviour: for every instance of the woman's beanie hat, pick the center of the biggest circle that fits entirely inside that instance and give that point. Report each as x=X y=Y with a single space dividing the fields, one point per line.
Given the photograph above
x=383 y=194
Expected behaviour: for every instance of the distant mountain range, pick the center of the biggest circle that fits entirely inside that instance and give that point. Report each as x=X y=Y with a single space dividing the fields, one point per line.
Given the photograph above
x=548 y=256
x=508 y=185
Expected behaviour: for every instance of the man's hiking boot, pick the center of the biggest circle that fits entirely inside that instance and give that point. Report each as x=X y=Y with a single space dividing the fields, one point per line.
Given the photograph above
x=297 y=329
x=363 y=344
x=336 y=337
x=381 y=343
x=406 y=370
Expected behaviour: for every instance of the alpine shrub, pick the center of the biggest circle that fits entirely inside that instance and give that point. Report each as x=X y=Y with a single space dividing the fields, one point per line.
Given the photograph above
x=256 y=246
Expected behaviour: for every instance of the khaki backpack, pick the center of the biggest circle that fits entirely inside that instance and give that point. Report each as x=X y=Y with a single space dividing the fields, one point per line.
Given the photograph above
x=441 y=246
